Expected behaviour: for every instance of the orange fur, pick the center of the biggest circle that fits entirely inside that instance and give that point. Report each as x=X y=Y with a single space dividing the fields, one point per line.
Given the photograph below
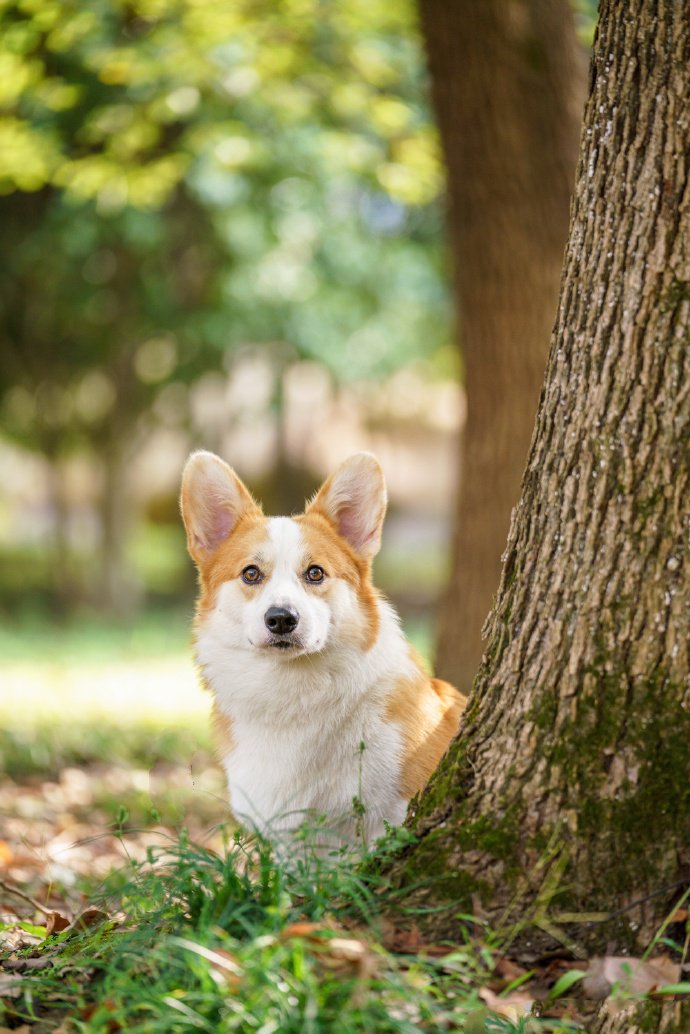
x=427 y=712
x=221 y=731
x=328 y=548
x=243 y=547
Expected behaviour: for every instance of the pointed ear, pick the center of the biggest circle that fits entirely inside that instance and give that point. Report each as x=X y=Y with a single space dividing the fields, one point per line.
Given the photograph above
x=213 y=499
x=354 y=500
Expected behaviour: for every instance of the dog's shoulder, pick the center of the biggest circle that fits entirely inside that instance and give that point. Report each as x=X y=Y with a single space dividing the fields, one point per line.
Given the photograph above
x=427 y=712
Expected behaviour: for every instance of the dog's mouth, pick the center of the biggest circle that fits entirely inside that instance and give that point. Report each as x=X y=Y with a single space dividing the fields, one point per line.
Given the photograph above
x=277 y=642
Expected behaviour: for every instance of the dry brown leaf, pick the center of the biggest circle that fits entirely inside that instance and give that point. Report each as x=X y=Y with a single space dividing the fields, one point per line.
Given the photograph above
x=303 y=928
x=17 y=965
x=10 y=985
x=351 y=956
x=634 y=975
x=40 y=962
x=13 y=963
x=402 y=941
x=15 y=938
x=112 y=1025
x=89 y=917
x=508 y=971
x=513 y=1006
x=56 y=922
x=348 y=948
x=339 y=952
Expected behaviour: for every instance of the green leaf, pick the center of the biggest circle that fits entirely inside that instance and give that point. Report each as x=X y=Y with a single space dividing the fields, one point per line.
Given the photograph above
x=565 y=982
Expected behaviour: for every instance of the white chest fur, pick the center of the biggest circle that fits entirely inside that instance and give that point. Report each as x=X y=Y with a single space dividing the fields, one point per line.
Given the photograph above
x=311 y=735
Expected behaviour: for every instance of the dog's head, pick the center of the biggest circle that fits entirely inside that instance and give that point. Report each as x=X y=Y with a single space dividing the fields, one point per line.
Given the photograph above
x=286 y=586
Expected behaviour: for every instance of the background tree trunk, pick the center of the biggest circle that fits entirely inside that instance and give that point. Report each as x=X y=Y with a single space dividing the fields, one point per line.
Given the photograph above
x=568 y=790
x=508 y=88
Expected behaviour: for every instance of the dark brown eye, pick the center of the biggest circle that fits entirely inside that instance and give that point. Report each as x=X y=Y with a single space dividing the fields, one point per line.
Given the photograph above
x=315 y=574
x=251 y=575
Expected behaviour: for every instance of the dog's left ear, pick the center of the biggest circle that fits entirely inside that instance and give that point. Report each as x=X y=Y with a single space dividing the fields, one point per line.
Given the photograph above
x=354 y=500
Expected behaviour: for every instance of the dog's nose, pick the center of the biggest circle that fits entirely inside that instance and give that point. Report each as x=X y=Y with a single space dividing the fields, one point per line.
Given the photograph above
x=281 y=620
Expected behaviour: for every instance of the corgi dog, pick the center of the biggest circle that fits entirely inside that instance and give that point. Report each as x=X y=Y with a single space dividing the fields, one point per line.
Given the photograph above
x=321 y=707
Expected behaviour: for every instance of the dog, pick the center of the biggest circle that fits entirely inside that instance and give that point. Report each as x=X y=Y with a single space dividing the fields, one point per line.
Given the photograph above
x=322 y=709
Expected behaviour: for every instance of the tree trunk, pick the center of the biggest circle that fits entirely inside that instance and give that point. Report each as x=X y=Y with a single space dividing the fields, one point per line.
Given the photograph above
x=650 y=1017
x=63 y=583
x=508 y=88
x=117 y=590
x=567 y=792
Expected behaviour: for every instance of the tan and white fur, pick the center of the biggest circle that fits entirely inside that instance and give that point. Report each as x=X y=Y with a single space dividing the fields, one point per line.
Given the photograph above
x=319 y=700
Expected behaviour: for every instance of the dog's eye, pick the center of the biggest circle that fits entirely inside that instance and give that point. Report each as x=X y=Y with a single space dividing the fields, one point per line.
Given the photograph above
x=315 y=573
x=251 y=575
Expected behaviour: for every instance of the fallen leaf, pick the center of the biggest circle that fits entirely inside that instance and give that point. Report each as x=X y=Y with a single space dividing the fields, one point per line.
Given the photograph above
x=40 y=962
x=17 y=965
x=347 y=948
x=56 y=922
x=89 y=917
x=13 y=963
x=108 y=1006
x=10 y=985
x=509 y=971
x=633 y=975
x=301 y=929
x=513 y=1006
x=17 y=938
x=402 y=941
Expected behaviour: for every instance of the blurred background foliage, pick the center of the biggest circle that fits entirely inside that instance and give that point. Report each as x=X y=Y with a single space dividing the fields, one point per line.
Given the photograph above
x=185 y=185
x=222 y=225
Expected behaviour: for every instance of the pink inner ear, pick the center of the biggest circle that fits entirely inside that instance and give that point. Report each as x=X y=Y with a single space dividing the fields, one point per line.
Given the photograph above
x=352 y=530
x=220 y=527
x=215 y=528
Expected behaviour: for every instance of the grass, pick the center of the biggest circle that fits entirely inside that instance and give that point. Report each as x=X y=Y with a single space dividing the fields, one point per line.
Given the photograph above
x=240 y=941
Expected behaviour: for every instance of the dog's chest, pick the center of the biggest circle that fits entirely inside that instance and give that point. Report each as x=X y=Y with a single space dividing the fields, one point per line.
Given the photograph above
x=344 y=767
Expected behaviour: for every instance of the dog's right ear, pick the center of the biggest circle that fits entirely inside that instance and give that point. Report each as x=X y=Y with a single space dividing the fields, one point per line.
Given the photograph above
x=213 y=500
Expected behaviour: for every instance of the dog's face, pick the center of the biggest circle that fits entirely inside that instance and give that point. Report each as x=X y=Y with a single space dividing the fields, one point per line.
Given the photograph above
x=283 y=586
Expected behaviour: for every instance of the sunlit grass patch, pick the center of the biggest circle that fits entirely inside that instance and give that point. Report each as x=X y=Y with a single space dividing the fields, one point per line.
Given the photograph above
x=94 y=673
x=158 y=691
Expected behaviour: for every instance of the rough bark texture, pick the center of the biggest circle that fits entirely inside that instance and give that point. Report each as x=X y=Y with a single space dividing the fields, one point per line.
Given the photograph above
x=568 y=791
x=508 y=87
x=642 y=1018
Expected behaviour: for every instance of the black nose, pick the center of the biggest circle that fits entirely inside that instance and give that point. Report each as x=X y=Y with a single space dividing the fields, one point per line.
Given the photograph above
x=281 y=620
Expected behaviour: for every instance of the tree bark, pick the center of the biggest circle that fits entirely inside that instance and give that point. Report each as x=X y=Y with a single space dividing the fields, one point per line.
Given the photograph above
x=567 y=792
x=508 y=89
x=647 y=1017
x=118 y=591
